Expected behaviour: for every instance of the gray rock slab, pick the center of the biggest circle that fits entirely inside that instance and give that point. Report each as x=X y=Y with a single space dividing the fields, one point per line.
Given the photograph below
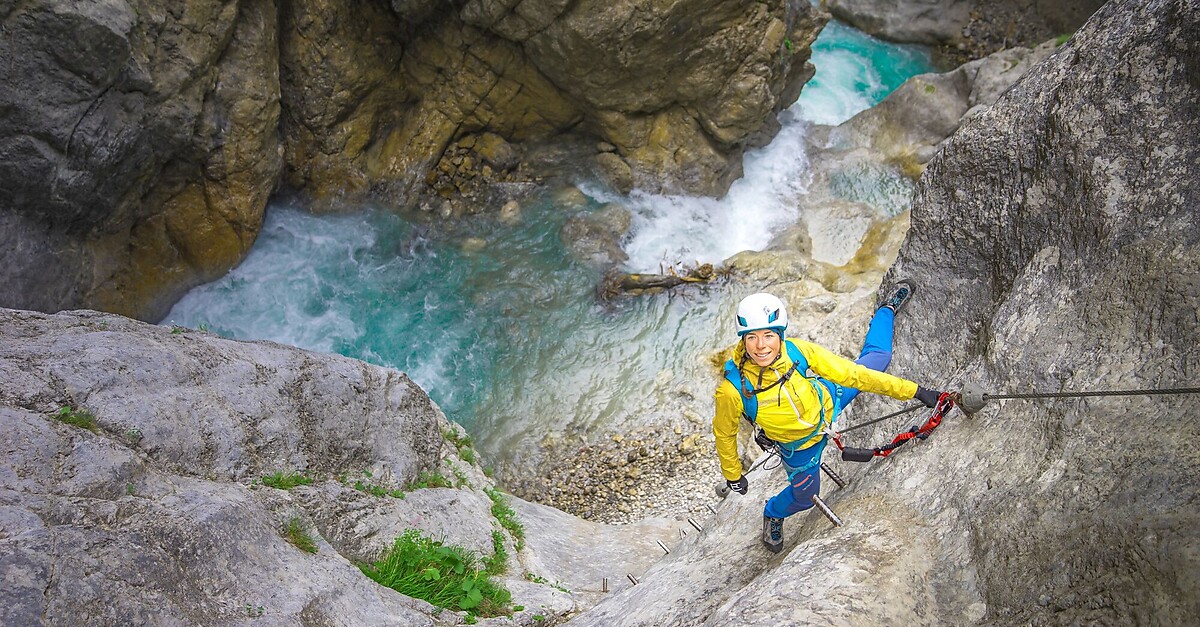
x=205 y=406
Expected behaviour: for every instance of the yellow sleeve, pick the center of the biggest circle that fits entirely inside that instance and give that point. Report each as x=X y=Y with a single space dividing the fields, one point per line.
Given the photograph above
x=725 y=429
x=845 y=372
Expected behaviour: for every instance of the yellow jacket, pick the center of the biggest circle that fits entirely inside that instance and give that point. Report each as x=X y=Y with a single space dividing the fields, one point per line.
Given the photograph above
x=792 y=411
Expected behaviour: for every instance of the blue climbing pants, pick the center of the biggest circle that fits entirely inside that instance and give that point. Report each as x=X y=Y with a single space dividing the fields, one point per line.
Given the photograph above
x=804 y=466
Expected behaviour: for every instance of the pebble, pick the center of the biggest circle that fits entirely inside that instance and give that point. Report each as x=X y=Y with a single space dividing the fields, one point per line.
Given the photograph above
x=665 y=472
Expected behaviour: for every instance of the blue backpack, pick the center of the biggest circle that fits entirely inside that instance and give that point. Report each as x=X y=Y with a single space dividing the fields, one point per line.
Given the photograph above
x=748 y=394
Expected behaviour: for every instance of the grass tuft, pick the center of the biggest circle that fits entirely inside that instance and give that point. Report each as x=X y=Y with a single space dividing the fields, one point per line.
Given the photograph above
x=446 y=576
x=81 y=418
x=299 y=536
x=285 y=481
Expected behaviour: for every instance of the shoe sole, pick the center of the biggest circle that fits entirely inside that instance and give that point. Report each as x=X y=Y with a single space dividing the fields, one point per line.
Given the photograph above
x=912 y=290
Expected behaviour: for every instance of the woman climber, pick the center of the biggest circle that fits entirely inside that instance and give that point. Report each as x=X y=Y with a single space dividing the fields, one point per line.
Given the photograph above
x=769 y=383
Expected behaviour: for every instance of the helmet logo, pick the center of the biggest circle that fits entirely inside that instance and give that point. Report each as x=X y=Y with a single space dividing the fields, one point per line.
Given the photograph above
x=772 y=316
x=742 y=321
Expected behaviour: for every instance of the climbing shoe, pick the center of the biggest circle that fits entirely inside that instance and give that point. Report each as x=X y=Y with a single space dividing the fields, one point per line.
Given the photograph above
x=899 y=295
x=772 y=536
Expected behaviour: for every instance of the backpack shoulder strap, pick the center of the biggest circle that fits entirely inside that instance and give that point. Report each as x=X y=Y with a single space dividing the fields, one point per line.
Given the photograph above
x=749 y=403
x=797 y=358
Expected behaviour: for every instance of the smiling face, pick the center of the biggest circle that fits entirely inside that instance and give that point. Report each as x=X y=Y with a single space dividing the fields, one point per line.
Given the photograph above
x=762 y=346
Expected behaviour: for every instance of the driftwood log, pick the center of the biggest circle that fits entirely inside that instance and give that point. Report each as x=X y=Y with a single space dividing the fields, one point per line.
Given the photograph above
x=625 y=283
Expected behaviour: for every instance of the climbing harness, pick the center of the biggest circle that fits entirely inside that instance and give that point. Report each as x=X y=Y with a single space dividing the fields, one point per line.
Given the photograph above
x=970 y=400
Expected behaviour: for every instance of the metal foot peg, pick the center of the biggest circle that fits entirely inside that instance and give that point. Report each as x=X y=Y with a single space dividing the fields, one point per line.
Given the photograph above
x=833 y=518
x=841 y=483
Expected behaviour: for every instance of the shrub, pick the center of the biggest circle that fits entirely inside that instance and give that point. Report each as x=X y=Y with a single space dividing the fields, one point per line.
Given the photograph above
x=446 y=576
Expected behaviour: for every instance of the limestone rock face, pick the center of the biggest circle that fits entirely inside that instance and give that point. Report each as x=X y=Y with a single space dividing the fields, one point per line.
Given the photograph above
x=155 y=513
x=679 y=88
x=1054 y=241
x=908 y=126
x=994 y=24
x=137 y=148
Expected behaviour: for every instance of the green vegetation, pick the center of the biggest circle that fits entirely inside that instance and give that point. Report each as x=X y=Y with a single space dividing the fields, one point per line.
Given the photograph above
x=929 y=89
x=463 y=444
x=542 y=580
x=428 y=480
x=461 y=478
x=372 y=488
x=134 y=435
x=299 y=536
x=498 y=562
x=507 y=517
x=1063 y=38
x=787 y=43
x=254 y=611
x=446 y=576
x=285 y=481
x=81 y=418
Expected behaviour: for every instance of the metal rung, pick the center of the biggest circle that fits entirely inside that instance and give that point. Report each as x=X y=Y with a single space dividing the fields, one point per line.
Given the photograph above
x=841 y=483
x=833 y=518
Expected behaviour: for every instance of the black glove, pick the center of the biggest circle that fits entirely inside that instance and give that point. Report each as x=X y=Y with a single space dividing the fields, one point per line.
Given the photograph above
x=927 y=396
x=740 y=486
x=761 y=439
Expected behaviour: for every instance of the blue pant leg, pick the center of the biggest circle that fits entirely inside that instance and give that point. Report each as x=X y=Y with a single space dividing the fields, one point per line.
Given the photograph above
x=876 y=351
x=804 y=480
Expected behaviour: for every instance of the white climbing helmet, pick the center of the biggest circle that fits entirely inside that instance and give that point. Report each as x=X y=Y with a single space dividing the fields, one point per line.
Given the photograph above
x=761 y=311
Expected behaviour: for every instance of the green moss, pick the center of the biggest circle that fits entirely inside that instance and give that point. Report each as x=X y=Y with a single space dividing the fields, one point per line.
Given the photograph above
x=1063 y=38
